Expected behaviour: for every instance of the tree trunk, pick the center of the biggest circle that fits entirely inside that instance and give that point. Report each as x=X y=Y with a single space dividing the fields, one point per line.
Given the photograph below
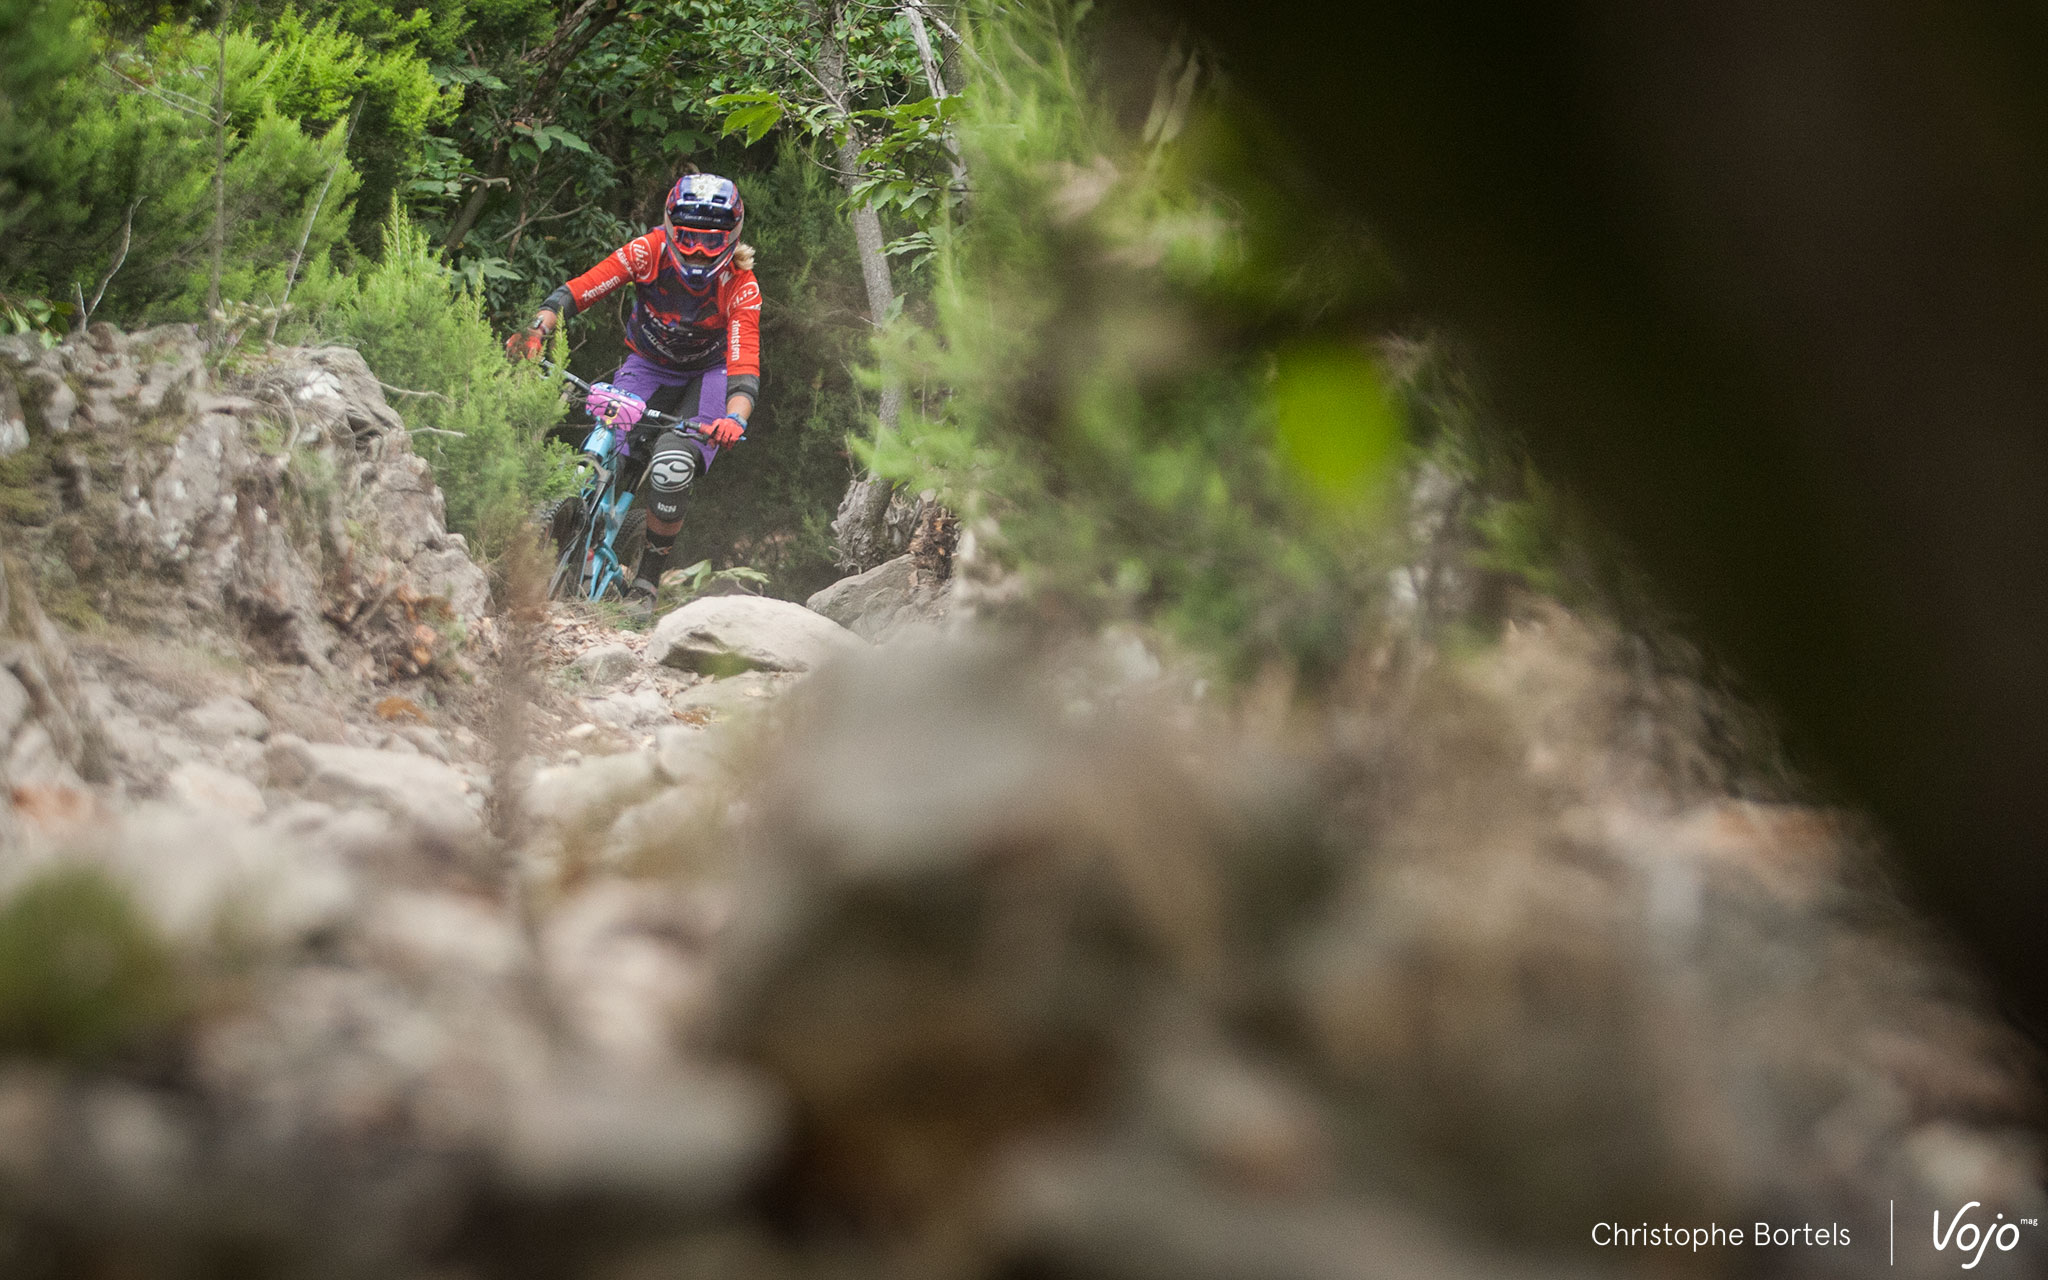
x=860 y=528
x=216 y=324
x=913 y=10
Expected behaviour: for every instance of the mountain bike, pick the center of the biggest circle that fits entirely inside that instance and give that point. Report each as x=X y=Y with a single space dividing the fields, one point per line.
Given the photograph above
x=599 y=532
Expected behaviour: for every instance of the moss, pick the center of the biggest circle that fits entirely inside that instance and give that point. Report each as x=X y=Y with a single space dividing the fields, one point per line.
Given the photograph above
x=82 y=972
x=24 y=489
x=71 y=605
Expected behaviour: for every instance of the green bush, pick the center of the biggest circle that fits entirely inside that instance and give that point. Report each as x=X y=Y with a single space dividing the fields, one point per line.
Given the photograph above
x=1103 y=393
x=479 y=420
x=82 y=972
x=134 y=144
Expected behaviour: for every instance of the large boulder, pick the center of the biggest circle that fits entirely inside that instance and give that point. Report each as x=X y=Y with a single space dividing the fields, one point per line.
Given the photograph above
x=284 y=496
x=723 y=634
x=883 y=601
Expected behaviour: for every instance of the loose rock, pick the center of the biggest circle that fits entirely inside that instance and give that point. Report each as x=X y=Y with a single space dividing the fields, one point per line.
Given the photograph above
x=606 y=663
x=725 y=634
x=225 y=717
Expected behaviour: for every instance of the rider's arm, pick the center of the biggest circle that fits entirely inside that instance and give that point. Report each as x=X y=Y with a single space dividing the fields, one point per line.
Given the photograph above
x=634 y=260
x=743 y=345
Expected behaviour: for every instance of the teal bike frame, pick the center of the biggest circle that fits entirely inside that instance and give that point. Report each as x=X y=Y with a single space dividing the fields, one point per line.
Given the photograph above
x=588 y=566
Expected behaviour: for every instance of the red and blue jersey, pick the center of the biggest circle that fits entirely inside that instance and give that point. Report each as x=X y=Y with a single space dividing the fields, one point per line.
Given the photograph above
x=670 y=325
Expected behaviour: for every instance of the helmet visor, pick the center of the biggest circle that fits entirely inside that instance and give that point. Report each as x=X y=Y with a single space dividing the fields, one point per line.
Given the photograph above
x=698 y=213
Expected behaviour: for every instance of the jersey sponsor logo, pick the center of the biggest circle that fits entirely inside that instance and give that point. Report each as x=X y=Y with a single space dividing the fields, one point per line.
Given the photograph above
x=598 y=290
x=638 y=258
x=747 y=295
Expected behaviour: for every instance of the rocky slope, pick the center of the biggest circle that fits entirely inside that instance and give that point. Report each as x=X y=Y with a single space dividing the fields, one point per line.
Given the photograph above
x=339 y=939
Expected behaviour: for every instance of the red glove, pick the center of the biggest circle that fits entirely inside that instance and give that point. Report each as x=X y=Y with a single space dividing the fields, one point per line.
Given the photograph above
x=725 y=431
x=532 y=341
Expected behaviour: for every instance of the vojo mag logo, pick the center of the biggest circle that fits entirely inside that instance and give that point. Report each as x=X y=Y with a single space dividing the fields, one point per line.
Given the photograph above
x=1972 y=1239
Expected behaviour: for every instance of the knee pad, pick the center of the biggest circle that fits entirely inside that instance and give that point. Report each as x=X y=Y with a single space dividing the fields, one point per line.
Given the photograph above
x=670 y=474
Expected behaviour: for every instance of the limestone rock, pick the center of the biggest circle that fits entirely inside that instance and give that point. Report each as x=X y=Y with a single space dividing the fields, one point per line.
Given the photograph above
x=46 y=726
x=639 y=709
x=199 y=873
x=48 y=401
x=436 y=932
x=13 y=425
x=434 y=800
x=223 y=718
x=586 y=796
x=627 y=962
x=448 y=572
x=674 y=834
x=727 y=633
x=212 y=493
x=735 y=693
x=692 y=1143
x=206 y=790
x=685 y=756
x=606 y=663
x=13 y=705
x=883 y=601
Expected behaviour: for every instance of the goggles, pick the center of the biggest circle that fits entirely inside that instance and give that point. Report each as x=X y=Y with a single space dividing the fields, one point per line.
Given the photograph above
x=694 y=240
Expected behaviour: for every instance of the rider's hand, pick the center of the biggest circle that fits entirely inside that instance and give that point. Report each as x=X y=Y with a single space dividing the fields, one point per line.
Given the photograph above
x=725 y=431
x=529 y=343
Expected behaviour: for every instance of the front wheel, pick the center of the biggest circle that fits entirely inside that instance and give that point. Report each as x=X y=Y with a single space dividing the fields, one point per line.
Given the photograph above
x=568 y=528
x=632 y=540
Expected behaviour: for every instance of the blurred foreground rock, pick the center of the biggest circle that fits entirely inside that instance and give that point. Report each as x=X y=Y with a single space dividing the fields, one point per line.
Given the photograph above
x=933 y=970
x=940 y=959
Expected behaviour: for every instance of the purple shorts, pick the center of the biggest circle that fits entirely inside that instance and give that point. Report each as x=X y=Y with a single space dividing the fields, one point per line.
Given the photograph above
x=658 y=385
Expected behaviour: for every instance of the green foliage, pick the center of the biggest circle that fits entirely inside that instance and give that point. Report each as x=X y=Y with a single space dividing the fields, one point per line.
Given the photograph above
x=1337 y=421
x=1093 y=402
x=133 y=146
x=82 y=972
x=680 y=586
x=41 y=44
x=35 y=316
x=480 y=421
x=108 y=107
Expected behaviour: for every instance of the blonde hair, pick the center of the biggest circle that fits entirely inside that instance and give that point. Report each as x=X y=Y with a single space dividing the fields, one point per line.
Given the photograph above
x=743 y=257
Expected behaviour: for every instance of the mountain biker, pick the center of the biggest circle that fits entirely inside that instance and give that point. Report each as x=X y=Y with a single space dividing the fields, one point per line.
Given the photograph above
x=694 y=339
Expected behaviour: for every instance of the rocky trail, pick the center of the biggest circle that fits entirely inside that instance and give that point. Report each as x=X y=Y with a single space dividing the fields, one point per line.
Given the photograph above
x=348 y=929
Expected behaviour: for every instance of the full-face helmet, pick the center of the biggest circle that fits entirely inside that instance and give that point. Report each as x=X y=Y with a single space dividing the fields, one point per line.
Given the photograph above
x=703 y=217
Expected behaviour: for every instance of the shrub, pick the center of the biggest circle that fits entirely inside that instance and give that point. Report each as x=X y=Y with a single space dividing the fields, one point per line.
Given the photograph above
x=82 y=973
x=479 y=420
x=1102 y=393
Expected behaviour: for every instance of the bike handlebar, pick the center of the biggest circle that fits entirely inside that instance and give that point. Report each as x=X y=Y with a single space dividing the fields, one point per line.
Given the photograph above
x=655 y=416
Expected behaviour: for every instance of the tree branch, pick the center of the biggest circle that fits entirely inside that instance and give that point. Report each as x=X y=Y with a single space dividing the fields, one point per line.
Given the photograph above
x=120 y=256
x=291 y=277
x=220 y=176
x=160 y=96
x=426 y=395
